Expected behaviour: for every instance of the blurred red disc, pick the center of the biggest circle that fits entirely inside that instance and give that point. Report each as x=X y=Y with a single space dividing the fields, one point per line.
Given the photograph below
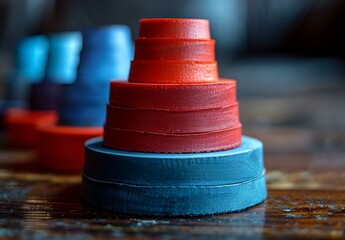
x=61 y=148
x=21 y=125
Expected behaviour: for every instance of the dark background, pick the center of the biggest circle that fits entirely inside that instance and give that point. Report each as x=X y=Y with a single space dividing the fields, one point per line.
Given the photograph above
x=288 y=59
x=241 y=27
x=287 y=55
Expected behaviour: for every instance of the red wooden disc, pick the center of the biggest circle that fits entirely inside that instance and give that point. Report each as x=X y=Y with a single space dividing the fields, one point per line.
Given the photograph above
x=172 y=72
x=165 y=121
x=174 y=50
x=62 y=148
x=172 y=143
x=175 y=28
x=173 y=97
x=21 y=125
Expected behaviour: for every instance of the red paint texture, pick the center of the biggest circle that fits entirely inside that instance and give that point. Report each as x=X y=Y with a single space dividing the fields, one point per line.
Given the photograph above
x=175 y=28
x=174 y=101
x=172 y=72
x=184 y=97
x=174 y=50
x=164 y=121
x=172 y=143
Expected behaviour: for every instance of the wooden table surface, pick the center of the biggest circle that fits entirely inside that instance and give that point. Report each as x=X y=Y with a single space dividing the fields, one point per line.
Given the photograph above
x=306 y=195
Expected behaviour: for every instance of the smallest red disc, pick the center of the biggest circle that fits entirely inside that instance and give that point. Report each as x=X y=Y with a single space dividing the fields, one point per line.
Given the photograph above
x=176 y=28
x=21 y=125
x=61 y=148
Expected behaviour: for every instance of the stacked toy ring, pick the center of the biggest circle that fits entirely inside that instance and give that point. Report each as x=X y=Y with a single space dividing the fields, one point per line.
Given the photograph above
x=172 y=142
x=105 y=55
x=44 y=94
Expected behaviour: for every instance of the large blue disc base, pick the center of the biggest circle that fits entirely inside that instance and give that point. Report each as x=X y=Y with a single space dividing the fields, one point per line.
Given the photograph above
x=174 y=200
x=213 y=168
x=174 y=184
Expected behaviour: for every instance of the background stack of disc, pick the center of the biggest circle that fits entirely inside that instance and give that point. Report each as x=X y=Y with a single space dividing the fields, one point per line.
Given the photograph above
x=172 y=139
x=63 y=60
x=44 y=92
x=106 y=55
x=29 y=66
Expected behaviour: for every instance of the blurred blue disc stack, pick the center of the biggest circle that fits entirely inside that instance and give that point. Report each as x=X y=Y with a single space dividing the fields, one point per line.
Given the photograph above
x=31 y=58
x=29 y=67
x=106 y=55
x=63 y=59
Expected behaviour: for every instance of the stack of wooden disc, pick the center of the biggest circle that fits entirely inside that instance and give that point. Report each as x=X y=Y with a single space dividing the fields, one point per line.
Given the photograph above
x=44 y=93
x=172 y=138
x=105 y=55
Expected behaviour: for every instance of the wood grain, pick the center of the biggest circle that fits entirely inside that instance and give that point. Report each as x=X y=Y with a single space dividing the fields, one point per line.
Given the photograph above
x=306 y=182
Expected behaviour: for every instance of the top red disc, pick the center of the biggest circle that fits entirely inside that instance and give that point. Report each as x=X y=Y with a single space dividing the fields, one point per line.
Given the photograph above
x=177 y=28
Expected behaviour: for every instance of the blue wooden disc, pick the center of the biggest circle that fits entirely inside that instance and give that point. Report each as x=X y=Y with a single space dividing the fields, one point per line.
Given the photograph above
x=31 y=58
x=86 y=115
x=106 y=54
x=194 y=169
x=117 y=37
x=102 y=71
x=44 y=96
x=174 y=200
x=80 y=93
x=63 y=57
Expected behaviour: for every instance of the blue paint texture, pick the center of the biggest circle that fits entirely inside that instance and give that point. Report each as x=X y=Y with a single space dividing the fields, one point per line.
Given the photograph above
x=63 y=57
x=174 y=200
x=106 y=55
x=213 y=168
x=174 y=184
x=62 y=62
